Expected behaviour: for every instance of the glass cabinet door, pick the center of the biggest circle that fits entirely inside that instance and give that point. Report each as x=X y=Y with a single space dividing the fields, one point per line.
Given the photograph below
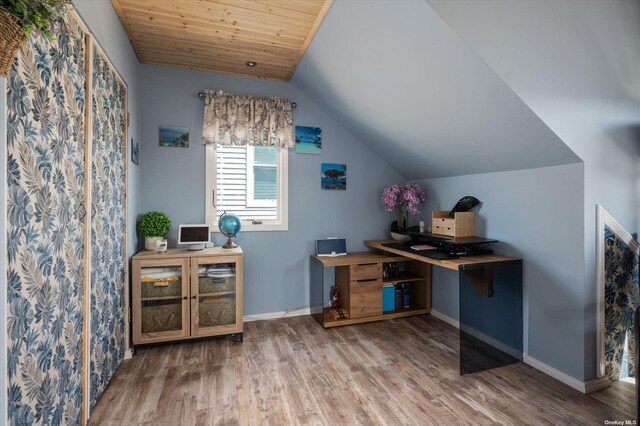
x=215 y=295
x=161 y=293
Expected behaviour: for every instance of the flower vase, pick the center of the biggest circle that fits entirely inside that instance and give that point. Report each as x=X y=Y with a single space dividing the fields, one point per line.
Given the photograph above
x=401 y=238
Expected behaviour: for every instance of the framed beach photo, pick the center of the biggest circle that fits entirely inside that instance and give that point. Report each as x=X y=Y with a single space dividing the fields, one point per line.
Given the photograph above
x=333 y=176
x=308 y=140
x=135 y=152
x=177 y=137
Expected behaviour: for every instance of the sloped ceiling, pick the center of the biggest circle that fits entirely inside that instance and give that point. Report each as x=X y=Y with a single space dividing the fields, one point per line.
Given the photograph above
x=585 y=86
x=403 y=81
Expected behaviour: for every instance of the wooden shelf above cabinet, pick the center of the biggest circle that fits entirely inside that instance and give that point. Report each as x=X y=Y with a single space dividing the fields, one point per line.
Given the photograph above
x=359 y=258
x=404 y=277
x=154 y=298
x=217 y=294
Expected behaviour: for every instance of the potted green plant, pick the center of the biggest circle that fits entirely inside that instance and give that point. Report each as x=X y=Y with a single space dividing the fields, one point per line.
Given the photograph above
x=153 y=226
x=18 y=19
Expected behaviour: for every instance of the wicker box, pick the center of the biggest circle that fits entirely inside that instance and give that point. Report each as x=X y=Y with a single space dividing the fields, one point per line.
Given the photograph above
x=161 y=289
x=461 y=225
x=161 y=316
x=216 y=311
x=216 y=285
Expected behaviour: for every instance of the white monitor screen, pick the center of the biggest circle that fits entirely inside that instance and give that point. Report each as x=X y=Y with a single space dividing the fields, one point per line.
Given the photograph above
x=331 y=246
x=190 y=234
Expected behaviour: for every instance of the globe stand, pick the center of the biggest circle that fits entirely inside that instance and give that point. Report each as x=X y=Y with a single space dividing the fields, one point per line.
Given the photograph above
x=229 y=225
x=229 y=244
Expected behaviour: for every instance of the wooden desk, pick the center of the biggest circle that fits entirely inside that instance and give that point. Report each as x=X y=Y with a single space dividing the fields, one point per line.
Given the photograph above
x=490 y=299
x=454 y=264
x=359 y=278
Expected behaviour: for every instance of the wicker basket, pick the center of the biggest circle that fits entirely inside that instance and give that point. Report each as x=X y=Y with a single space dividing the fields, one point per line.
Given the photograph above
x=11 y=38
x=162 y=317
x=216 y=311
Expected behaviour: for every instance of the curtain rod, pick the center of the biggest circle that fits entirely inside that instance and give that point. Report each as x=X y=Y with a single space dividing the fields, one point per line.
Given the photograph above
x=201 y=95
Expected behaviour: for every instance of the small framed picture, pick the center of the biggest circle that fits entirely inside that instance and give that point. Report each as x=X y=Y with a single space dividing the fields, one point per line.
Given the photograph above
x=308 y=140
x=177 y=137
x=333 y=176
x=135 y=152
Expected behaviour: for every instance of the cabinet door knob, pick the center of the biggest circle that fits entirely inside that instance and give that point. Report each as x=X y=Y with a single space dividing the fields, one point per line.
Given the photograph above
x=185 y=297
x=194 y=297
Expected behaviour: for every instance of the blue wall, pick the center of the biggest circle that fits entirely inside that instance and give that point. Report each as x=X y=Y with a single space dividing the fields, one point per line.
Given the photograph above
x=582 y=88
x=537 y=215
x=276 y=274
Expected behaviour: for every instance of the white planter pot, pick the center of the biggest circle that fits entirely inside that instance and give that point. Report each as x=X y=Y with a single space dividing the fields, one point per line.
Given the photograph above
x=150 y=242
x=401 y=237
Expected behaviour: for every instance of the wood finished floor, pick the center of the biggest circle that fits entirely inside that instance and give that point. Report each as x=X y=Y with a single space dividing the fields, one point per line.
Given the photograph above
x=291 y=371
x=621 y=395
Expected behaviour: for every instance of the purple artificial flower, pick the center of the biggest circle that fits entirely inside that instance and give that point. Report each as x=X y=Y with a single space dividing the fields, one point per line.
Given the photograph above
x=398 y=198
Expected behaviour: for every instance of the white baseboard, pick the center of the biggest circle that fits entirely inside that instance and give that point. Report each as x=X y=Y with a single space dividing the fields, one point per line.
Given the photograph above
x=555 y=373
x=596 y=384
x=584 y=387
x=128 y=354
x=277 y=315
x=477 y=334
x=445 y=318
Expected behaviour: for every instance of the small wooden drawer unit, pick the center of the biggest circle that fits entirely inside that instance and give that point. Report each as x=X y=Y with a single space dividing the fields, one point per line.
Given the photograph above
x=365 y=271
x=461 y=225
x=365 y=298
x=360 y=288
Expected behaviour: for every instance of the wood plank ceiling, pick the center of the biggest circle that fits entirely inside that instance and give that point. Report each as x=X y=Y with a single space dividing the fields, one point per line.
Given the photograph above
x=223 y=35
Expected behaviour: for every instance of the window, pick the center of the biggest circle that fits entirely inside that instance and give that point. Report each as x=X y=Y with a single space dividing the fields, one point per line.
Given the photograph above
x=262 y=177
x=250 y=181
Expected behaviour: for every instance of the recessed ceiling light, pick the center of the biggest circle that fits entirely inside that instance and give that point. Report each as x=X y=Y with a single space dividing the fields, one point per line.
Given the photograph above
x=251 y=63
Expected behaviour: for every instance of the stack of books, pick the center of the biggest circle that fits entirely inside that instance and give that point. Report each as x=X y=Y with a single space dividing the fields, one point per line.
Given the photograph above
x=221 y=271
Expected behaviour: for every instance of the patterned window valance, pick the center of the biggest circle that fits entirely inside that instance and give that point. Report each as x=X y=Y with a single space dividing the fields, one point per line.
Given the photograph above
x=231 y=119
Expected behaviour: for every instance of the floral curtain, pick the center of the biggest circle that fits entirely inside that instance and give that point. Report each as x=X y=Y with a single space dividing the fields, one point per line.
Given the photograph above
x=231 y=119
x=621 y=295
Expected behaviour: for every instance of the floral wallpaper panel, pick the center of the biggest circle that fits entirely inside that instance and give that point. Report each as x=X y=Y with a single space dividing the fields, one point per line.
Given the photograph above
x=45 y=156
x=621 y=300
x=108 y=110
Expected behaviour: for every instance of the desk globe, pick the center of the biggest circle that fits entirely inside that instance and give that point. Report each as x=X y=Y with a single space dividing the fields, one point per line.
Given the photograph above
x=229 y=225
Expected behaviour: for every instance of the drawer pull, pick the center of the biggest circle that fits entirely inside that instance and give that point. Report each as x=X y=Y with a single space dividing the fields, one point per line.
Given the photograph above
x=367 y=281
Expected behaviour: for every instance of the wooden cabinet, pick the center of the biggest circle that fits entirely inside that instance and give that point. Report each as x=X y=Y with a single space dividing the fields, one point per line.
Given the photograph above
x=186 y=294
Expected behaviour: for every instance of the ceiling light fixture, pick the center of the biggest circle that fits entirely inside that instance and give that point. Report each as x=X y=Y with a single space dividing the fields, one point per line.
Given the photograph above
x=251 y=63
